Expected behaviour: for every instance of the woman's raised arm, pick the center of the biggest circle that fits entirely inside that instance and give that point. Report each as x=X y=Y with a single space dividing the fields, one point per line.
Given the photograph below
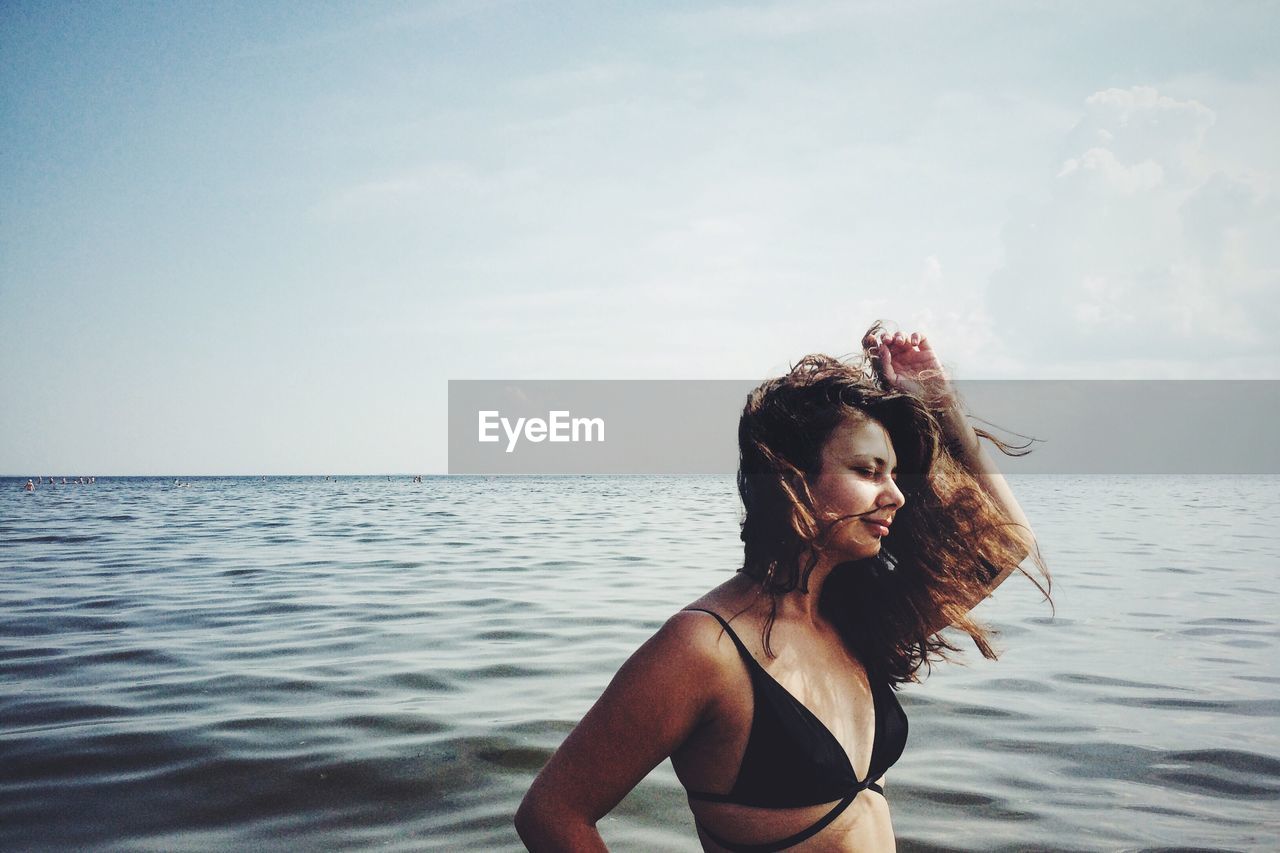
x=969 y=451
x=908 y=363
x=658 y=698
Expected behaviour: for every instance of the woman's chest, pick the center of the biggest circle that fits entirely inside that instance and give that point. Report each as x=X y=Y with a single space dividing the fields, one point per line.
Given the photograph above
x=804 y=712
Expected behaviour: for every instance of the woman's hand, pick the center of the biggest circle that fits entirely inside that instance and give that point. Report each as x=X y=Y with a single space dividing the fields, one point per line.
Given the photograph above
x=908 y=364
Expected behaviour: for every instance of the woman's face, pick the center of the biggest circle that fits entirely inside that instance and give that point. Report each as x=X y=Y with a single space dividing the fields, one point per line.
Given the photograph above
x=858 y=479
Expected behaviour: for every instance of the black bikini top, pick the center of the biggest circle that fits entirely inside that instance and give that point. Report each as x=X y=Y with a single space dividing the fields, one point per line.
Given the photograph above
x=792 y=759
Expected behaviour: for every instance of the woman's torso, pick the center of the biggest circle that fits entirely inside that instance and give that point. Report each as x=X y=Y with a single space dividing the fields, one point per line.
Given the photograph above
x=814 y=667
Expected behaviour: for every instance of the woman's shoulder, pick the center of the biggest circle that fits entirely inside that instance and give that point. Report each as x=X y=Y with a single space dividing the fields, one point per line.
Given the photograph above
x=696 y=638
x=730 y=599
x=695 y=635
x=688 y=660
x=699 y=624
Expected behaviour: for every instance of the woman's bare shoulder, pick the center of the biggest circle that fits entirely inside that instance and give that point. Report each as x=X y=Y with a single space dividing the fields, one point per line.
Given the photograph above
x=731 y=599
x=694 y=636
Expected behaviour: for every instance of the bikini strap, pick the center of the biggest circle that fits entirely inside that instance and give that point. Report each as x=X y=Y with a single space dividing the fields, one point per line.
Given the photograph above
x=746 y=654
x=790 y=840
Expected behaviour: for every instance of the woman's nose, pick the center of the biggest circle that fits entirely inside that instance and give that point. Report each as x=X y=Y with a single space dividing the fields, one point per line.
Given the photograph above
x=893 y=495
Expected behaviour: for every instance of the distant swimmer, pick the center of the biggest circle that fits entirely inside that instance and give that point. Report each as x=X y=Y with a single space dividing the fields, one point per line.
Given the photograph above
x=30 y=486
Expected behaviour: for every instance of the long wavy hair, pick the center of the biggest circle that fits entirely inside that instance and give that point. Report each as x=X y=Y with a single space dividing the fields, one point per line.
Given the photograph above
x=947 y=543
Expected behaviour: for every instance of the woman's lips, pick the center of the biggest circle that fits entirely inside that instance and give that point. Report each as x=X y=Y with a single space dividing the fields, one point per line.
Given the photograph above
x=882 y=529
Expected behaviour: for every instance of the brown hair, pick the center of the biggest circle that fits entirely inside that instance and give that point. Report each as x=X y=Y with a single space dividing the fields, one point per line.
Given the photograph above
x=947 y=543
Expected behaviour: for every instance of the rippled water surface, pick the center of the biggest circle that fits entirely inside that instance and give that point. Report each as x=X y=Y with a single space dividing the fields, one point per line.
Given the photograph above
x=305 y=663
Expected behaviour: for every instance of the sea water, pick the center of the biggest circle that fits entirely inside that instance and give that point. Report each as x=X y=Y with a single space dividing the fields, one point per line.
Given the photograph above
x=313 y=663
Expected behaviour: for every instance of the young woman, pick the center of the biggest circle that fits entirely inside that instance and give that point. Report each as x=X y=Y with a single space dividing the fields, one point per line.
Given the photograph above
x=874 y=519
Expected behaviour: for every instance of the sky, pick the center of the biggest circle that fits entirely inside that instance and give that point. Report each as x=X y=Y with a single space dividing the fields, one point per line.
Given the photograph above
x=242 y=238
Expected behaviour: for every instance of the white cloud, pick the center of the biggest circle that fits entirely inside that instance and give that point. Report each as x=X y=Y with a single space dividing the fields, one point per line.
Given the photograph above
x=1102 y=162
x=1146 y=244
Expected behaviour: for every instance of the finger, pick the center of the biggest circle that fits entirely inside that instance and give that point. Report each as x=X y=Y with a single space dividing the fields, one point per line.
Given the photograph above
x=924 y=343
x=915 y=339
